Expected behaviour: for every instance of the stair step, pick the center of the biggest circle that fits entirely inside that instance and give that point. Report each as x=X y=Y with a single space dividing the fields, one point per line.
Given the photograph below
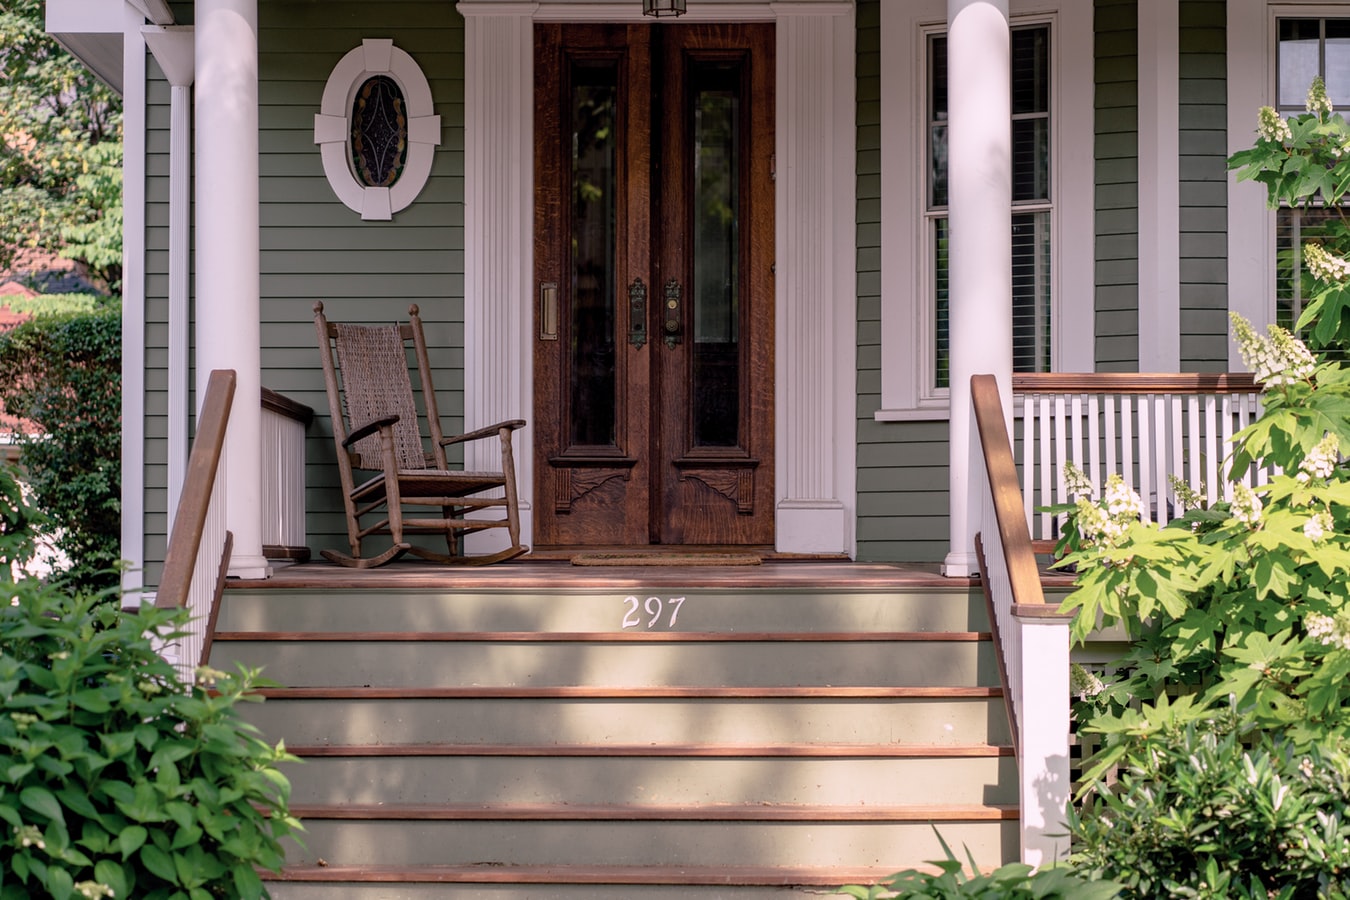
x=843 y=751
x=357 y=717
x=588 y=776
x=620 y=692
x=814 y=841
x=566 y=611
x=679 y=876
x=625 y=664
x=704 y=812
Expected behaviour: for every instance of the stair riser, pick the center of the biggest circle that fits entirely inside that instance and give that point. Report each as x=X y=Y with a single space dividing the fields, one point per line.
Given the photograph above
x=825 y=844
x=755 y=722
x=660 y=781
x=557 y=611
x=456 y=664
x=349 y=891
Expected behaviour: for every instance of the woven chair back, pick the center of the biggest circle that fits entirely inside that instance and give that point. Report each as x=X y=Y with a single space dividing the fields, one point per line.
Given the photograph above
x=375 y=383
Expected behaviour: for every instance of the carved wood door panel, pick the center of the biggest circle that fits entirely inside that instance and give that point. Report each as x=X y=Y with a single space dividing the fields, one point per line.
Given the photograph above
x=653 y=330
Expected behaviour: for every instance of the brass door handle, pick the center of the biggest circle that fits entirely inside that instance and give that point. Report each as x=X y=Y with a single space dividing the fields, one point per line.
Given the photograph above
x=637 y=313
x=673 y=321
x=548 y=311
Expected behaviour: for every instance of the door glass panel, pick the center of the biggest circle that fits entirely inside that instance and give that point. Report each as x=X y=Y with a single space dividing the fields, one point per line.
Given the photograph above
x=716 y=295
x=593 y=200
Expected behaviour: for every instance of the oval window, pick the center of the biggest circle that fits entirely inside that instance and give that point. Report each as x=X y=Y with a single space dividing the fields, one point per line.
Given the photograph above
x=379 y=132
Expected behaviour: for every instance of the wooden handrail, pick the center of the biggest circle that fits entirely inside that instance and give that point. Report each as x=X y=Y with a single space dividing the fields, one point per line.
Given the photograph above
x=190 y=519
x=285 y=406
x=1023 y=577
x=1134 y=383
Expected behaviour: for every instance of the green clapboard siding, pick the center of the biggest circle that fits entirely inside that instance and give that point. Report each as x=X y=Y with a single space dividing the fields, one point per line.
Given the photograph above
x=1116 y=131
x=902 y=466
x=155 y=445
x=314 y=248
x=1204 y=186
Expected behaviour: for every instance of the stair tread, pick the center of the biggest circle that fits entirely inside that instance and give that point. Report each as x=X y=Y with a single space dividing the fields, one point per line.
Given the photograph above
x=610 y=636
x=644 y=750
x=646 y=692
x=721 y=812
x=496 y=873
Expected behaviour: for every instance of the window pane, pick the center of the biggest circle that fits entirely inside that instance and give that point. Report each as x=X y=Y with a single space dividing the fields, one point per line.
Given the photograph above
x=1292 y=283
x=1030 y=70
x=1031 y=159
x=1298 y=59
x=1031 y=292
x=943 y=344
x=1338 y=61
x=937 y=78
x=717 y=191
x=937 y=165
x=594 y=91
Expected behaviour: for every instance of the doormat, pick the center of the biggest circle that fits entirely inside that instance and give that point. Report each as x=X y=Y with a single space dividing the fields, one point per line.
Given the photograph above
x=666 y=559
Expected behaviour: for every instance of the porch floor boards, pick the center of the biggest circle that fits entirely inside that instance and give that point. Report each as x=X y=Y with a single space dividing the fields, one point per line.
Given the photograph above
x=531 y=573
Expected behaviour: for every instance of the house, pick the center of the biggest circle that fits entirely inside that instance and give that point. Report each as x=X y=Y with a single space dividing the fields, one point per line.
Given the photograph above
x=780 y=238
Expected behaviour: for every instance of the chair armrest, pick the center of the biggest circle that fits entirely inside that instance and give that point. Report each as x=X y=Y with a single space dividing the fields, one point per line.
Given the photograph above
x=487 y=431
x=368 y=429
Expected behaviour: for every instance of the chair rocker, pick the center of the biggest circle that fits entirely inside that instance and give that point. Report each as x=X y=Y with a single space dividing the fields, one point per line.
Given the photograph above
x=375 y=428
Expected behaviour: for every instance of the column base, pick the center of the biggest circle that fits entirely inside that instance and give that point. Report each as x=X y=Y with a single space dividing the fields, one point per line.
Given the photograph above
x=960 y=564
x=813 y=526
x=249 y=567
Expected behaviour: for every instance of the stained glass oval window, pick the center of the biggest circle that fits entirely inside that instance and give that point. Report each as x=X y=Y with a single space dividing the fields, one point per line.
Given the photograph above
x=379 y=132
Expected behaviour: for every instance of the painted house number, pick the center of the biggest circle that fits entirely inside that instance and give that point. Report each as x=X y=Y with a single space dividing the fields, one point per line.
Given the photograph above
x=654 y=607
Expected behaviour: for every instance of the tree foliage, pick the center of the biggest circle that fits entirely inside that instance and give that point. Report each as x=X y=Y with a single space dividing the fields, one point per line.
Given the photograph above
x=63 y=372
x=60 y=150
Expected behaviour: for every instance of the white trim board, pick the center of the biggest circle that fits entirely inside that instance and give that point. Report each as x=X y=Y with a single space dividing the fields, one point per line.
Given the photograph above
x=906 y=314
x=815 y=60
x=133 y=302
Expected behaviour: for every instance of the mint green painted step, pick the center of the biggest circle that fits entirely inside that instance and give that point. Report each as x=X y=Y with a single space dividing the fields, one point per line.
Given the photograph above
x=437 y=664
x=357 y=891
x=920 y=609
x=666 y=780
x=663 y=843
x=629 y=721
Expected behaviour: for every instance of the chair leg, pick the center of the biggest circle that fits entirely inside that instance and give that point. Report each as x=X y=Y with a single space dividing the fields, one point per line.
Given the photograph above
x=512 y=501
x=369 y=562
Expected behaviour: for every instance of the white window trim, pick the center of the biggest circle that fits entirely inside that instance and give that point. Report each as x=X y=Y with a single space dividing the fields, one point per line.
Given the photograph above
x=907 y=310
x=1251 y=85
x=332 y=128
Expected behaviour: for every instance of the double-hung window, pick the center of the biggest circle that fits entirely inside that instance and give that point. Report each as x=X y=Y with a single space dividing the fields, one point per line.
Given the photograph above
x=1032 y=201
x=1306 y=48
x=1052 y=215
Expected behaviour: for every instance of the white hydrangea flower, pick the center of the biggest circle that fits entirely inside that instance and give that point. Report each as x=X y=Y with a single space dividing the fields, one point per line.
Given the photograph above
x=1271 y=126
x=1319 y=104
x=1327 y=631
x=1278 y=359
x=1076 y=481
x=29 y=836
x=1320 y=463
x=1083 y=683
x=1246 y=506
x=1324 y=266
x=93 y=890
x=1318 y=527
x=1122 y=503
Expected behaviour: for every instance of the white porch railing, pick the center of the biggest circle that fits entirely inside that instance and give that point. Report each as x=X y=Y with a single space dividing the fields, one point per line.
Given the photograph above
x=1144 y=427
x=283 y=488
x=1031 y=639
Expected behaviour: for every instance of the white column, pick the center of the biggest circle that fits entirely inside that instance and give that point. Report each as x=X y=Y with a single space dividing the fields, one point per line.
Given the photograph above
x=1159 y=188
x=979 y=166
x=172 y=47
x=133 y=303
x=228 y=333
x=499 y=242
x=816 y=280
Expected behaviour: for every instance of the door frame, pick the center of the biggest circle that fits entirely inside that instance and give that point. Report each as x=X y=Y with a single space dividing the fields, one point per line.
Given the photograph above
x=814 y=242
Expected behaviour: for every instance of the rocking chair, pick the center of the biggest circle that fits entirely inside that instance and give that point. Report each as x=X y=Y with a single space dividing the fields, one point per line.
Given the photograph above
x=375 y=427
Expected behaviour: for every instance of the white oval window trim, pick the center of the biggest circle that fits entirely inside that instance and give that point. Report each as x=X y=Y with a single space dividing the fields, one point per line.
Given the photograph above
x=332 y=128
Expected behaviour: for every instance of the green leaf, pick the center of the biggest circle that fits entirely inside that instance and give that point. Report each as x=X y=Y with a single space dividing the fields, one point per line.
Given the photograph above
x=43 y=802
x=159 y=863
x=131 y=839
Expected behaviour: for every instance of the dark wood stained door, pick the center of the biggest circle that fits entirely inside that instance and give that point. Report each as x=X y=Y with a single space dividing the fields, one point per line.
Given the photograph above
x=654 y=278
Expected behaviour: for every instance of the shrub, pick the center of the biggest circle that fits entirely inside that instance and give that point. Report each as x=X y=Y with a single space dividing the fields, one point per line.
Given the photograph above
x=1196 y=814
x=117 y=779
x=63 y=372
x=1014 y=881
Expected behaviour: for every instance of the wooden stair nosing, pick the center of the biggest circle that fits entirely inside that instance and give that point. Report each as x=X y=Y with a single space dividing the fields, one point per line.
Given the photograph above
x=702 y=751
x=493 y=873
x=656 y=692
x=599 y=637
x=694 y=812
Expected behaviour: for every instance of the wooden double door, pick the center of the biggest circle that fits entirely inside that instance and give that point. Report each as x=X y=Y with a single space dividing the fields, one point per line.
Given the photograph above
x=653 y=332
